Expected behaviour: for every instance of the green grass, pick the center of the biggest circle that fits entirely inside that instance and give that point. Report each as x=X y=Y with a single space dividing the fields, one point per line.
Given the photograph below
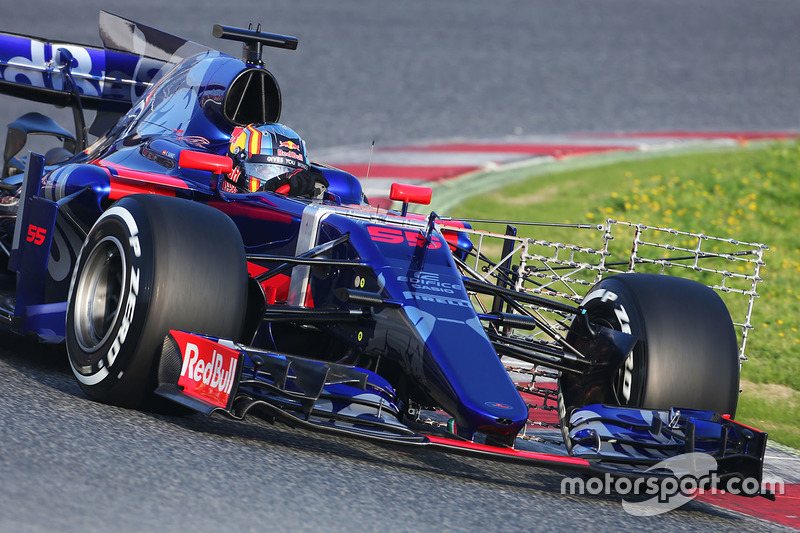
x=749 y=194
x=773 y=408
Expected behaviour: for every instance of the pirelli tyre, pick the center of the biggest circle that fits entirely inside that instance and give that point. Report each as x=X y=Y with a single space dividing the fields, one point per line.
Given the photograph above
x=687 y=352
x=150 y=264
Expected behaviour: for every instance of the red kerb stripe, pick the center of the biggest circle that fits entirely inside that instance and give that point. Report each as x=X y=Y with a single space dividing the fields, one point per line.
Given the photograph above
x=416 y=172
x=526 y=149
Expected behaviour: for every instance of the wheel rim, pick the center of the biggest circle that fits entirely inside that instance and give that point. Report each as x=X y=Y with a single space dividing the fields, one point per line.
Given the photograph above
x=99 y=294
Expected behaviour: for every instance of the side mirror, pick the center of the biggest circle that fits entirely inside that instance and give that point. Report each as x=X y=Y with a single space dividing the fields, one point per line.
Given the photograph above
x=217 y=164
x=410 y=194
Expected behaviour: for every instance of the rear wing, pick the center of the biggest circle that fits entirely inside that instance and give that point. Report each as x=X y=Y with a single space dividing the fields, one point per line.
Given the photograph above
x=109 y=78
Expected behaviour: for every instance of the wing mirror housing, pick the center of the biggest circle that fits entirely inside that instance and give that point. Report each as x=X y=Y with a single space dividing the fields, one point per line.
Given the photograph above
x=216 y=164
x=407 y=194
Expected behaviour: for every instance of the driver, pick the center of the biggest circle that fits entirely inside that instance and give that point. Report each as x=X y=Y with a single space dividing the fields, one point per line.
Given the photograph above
x=269 y=155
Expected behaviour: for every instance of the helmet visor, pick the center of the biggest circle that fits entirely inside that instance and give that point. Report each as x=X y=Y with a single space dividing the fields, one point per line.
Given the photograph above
x=264 y=171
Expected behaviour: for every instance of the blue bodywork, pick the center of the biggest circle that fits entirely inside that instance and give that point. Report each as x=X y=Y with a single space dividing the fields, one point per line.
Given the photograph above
x=422 y=346
x=435 y=338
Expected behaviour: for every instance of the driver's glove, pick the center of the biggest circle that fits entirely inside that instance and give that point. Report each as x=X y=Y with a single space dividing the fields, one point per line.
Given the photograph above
x=301 y=182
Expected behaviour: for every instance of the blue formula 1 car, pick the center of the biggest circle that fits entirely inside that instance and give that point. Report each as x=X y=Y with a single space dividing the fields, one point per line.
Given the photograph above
x=167 y=283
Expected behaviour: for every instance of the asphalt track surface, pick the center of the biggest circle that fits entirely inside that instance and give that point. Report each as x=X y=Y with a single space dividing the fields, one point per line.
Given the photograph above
x=396 y=74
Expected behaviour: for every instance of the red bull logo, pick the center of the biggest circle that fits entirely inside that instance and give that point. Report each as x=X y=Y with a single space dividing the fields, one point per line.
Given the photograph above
x=291 y=145
x=209 y=370
x=290 y=154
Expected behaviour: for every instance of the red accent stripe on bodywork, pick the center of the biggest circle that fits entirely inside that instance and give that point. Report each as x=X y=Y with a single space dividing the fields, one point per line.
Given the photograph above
x=510 y=453
x=125 y=181
x=275 y=288
x=728 y=417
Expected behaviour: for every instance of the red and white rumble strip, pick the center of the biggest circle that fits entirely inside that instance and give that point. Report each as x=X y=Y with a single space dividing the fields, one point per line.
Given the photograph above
x=424 y=164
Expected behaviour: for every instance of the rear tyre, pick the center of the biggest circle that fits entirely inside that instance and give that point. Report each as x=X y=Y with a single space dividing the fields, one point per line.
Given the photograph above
x=687 y=353
x=150 y=264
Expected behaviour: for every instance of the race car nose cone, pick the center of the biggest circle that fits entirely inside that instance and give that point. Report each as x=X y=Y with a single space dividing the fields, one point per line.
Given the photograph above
x=470 y=381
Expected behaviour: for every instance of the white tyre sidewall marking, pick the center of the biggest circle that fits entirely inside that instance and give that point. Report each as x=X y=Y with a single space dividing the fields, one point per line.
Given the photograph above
x=133 y=231
x=621 y=314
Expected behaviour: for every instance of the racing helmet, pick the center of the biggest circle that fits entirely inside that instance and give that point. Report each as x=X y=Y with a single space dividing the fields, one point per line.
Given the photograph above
x=261 y=152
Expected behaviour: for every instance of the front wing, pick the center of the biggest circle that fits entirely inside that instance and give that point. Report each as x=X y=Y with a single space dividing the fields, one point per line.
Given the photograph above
x=217 y=376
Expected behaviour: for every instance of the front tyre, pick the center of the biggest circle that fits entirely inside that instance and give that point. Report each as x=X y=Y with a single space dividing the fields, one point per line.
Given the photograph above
x=150 y=264
x=687 y=352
